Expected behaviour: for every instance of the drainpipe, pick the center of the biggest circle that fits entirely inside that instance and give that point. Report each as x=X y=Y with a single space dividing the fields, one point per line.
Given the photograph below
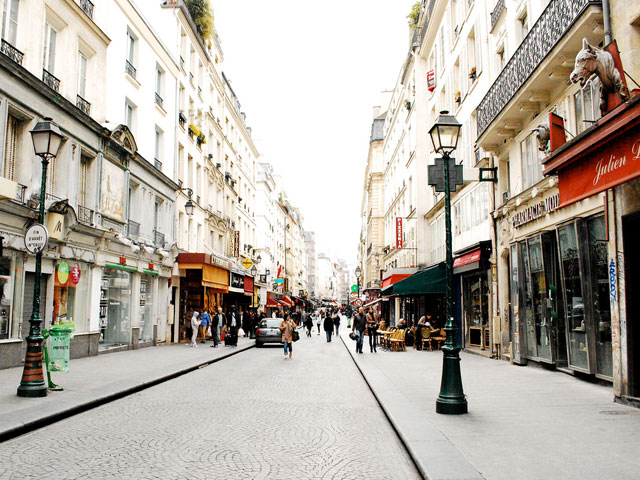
x=607 y=22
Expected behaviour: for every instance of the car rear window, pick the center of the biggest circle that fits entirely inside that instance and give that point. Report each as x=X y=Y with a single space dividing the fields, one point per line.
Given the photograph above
x=271 y=323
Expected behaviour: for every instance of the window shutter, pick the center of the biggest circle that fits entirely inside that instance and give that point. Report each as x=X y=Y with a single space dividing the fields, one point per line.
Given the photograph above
x=10 y=147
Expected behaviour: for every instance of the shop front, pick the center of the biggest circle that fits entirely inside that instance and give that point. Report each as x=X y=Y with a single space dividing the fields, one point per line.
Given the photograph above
x=471 y=277
x=116 y=291
x=597 y=254
x=148 y=285
x=393 y=310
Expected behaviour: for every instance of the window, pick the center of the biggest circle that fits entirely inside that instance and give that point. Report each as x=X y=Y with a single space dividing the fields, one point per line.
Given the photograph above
x=157 y=155
x=501 y=56
x=82 y=75
x=159 y=81
x=131 y=55
x=85 y=163
x=586 y=104
x=523 y=26
x=129 y=114
x=530 y=161
x=49 y=50
x=11 y=148
x=10 y=21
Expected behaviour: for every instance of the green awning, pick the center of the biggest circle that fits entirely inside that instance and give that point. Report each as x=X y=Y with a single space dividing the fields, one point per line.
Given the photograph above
x=429 y=281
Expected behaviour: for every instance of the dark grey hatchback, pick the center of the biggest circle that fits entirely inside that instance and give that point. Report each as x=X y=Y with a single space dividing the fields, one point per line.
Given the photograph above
x=268 y=331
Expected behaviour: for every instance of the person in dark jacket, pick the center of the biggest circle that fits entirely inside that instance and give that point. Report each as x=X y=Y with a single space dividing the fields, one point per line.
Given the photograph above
x=328 y=326
x=336 y=321
x=359 y=325
x=232 y=324
x=308 y=322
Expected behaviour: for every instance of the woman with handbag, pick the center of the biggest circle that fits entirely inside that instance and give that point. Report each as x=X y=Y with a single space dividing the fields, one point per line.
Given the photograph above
x=372 y=331
x=287 y=327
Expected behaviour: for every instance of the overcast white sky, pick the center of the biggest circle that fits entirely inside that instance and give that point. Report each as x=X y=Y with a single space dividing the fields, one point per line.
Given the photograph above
x=308 y=74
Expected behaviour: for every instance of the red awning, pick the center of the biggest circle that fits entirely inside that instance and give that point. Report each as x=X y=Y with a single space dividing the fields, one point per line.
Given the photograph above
x=468 y=258
x=248 y=286
x=286 y=301
x=272 y=303
x=394 y=278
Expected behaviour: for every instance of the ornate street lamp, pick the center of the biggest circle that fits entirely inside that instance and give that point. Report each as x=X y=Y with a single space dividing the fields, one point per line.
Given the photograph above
x=358 y=273
x=46 y=139
x=189 y=205
x=253 y=271
x=444 y=135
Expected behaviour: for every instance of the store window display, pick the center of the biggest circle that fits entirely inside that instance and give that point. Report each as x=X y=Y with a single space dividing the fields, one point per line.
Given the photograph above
x=146 y=308
x=115 y=308
x=6 y=293
x=71 y=296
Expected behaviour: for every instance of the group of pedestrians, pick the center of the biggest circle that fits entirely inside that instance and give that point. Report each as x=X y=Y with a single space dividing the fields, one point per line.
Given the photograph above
x=330 y=320
x=366 y=320
x=222 y=326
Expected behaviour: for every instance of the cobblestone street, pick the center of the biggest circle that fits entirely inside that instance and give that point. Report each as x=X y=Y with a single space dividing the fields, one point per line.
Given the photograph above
x=253 y=415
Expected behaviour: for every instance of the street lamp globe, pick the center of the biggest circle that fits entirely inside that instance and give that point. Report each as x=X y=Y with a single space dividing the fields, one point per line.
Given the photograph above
x=188 y=207
x=253 y=271
x=46 y=138
x=445 y=133
x=358 y=271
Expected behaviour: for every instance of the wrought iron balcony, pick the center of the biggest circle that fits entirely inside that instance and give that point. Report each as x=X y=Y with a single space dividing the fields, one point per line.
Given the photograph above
x=87 y=7
x=111 y=225
x=554 y=22
x=133 y=228
x=158 y=99
x=85 y=215
x=158 y=238
x=497 y=11
x=83 y=105
x=50 y=80
x=130 y=69
x=157 y=163
x=12 y=52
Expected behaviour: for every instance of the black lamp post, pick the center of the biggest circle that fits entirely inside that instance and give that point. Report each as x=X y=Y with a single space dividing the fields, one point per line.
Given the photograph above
x=46 y=139
x=451 y=400
x=358 y=273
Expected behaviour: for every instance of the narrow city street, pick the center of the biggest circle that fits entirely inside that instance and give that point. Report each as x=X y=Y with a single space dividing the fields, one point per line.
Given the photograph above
x=253 y=415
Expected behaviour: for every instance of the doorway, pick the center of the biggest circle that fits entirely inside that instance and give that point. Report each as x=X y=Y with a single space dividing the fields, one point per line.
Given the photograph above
x=631 y=226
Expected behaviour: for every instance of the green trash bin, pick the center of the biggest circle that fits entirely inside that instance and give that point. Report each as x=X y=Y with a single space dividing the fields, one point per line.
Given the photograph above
x=59 y=348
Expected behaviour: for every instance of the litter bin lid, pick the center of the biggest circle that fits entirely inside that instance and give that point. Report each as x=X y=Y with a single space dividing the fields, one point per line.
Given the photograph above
x=60 y=330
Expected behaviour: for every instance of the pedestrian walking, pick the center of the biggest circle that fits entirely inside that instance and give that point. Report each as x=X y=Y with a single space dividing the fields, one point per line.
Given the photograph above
x=195 y=325
x=232 y=324
x=205 y=321
x=308 y=322
x=318 y=320
x=336 y=322
x=328 y=326
x=286 y=327
x=216 y=323
x=372 y=331
x=359 y=325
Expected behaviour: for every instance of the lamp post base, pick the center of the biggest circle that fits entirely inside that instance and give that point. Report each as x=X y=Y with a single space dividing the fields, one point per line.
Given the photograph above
x=452 y=399
x=32 y=384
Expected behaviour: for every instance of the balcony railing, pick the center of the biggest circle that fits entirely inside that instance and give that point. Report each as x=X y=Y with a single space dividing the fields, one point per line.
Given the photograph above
x=158 y=238
x=497 y=11
x=85 y=215
x=50 y=80
x=87 y=7
x=130 y=69
x=83 y=105
x=133 y=228
x=158 y=99
x=12 y=52
x=116 y=227
x=157 y=163
x=555 y=21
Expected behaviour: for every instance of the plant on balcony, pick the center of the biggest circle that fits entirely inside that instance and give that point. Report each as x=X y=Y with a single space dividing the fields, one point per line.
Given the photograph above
x=472 y=74
x=194 y=130
x=202 y=15
x=414 y=15
x=201 y=139
x=407 y=104
x=458 y=97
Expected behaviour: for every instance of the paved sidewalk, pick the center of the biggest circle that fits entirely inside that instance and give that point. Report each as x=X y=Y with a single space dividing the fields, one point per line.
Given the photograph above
x=523 y=422
x=96 y=380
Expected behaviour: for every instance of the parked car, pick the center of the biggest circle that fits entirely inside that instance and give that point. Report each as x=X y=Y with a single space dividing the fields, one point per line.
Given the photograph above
x=268 y=331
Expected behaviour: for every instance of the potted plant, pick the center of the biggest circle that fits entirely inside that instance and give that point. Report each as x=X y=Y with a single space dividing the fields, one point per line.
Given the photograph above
x=193 y=130
x=201 y=139
x=472 y=74
x=407 y=104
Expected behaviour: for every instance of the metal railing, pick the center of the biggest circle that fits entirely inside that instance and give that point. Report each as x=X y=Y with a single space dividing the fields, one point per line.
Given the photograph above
x=85 y=215
x=497 y=11
x=106 y=223
x=158 y=238
x=87 y=7
x=553 y=24
x=157 y=163
x=50 y=80
x=133 y=228
x=12 y=52
x=130 y=69
x=51 y=198
x=83 y=105
x=158 y=99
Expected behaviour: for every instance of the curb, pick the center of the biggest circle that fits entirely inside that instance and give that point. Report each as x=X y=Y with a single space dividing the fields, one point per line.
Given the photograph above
x=436 y=467
x=27 y=427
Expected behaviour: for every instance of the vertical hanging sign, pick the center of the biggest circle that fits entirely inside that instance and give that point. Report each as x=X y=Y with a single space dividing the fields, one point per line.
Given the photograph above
x=398 y=232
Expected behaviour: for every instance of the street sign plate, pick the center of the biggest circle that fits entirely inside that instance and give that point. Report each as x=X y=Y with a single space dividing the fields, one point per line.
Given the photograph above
x=36 y=238
x=279 y=280
x=436 y=175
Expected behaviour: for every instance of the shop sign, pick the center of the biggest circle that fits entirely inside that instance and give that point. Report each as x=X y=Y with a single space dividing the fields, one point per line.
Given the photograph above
x=63 y=273
x=398 y=232
x=236 y=243
x=75 y=274
x=123 y=260
x=151 y=265
x=55 y=226
x=36 y=238
x=612 y=165
x=237 y=281
x=536 y=211
x=431 y=80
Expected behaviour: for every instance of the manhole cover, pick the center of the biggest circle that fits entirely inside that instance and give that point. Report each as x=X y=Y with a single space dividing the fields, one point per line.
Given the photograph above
x=613 y=412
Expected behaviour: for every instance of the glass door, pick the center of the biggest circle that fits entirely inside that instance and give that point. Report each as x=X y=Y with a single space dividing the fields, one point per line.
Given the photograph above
x=542 y=327
x=514 y=307
x=553 y=310
x=573 y=297
x=526 y=305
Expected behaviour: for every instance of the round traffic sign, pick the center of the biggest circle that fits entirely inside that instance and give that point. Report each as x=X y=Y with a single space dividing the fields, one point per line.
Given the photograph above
x=354 y=288
x=36 y=238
